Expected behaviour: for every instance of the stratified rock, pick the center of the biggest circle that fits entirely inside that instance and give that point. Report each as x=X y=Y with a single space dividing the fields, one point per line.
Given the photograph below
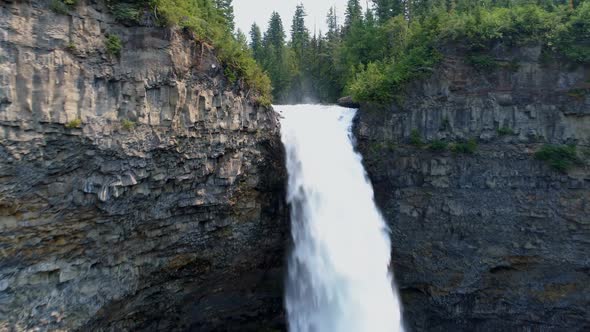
x=494 y=241
x=136 y=193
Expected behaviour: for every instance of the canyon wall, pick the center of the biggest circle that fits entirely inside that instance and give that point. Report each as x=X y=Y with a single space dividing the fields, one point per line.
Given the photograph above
x=137 y=192
x=493 y=240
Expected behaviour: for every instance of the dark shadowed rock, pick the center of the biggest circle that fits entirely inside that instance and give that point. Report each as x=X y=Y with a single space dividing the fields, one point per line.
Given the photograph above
x=495 y=240
x=348 y=102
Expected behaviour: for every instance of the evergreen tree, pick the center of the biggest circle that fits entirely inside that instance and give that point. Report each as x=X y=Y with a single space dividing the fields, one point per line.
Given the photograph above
x=386 y=9
x=256 y=42
x=277 y=58
x=299 y=33
x=242 y=39
x=352 y=16
x=353 y=47
x=300 y=47
x=328 y=56
x=275 y=34
x=333 y=28
x=226 y=9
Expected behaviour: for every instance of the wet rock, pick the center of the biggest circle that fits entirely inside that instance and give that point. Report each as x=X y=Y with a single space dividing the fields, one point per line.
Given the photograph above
x=348 y=102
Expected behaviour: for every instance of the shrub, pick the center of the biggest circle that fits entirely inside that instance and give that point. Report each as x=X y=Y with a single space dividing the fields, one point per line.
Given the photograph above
x=59 y=7
x=377 y=148
x=263 y=100
x=127 y=124
x=438 y=145
x=127 y=12
x=468 y=147
x=71 y=47
x=113 y=45
x=560 y=158
x=415 y=138
x=76 y=123
x=579 y=94
x=372 y=84
x=482 y=62
x=505 y=131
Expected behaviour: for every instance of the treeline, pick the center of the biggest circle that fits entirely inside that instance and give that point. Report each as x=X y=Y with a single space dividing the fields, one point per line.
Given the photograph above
x=372 y=53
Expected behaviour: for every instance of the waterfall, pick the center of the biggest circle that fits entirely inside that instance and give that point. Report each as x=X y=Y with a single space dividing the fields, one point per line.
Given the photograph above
x=338 y=271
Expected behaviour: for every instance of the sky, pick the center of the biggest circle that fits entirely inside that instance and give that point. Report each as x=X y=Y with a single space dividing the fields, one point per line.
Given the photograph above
x=259 y=11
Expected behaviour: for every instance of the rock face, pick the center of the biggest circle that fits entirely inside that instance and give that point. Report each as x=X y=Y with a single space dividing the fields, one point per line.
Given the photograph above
x=495 y=240
x=348 y=102
x=139 y=192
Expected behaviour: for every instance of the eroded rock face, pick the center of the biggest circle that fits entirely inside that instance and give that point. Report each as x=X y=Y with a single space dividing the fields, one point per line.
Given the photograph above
x=162 y=211
x=494 y=241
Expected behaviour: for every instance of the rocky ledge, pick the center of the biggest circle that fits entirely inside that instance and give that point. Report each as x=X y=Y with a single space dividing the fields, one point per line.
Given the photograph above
x=137 y=192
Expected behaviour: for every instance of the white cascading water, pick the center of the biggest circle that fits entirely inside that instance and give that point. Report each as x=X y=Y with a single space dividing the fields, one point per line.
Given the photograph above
x=338 y=270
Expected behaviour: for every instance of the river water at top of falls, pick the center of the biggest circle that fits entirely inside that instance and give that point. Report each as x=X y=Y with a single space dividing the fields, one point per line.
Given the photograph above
x=338 y=270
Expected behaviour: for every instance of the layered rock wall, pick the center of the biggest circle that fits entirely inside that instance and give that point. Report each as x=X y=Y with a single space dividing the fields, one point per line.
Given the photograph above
x=137 y=192
x=495 y=240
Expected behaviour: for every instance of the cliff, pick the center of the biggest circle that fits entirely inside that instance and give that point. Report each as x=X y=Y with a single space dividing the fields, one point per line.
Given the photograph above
x=137 y=192
x=485 y=236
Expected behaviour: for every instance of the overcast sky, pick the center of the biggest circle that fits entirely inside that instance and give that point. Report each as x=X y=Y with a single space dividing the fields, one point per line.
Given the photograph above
x=259 y=11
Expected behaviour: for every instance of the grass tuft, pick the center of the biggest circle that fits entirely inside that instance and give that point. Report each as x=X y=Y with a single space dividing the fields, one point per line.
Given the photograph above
x=468 y=147
x=127 y=124
x=76 y=123
x=113 y=45
x=438 y=145
x=415 y=138
x=558 y=157
x=505 y=131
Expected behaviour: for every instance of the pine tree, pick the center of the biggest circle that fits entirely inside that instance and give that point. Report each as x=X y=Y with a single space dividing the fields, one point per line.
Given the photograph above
x=386 y=9
x=333 y=28
x=226 y=9
x=299 y=33
x=256 y=42
x=353 y=15
x=275 y=34
x=276 y=57
x=300 y=46
x=242 y=39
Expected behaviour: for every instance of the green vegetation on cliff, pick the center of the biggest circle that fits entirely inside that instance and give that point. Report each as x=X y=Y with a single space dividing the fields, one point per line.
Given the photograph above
x=475 y=29
x=561 y=158
x=374 y=53
x=211 y=22
x=113 y=45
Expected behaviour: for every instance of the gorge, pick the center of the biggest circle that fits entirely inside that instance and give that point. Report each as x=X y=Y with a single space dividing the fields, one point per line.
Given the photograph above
x=148 y=190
